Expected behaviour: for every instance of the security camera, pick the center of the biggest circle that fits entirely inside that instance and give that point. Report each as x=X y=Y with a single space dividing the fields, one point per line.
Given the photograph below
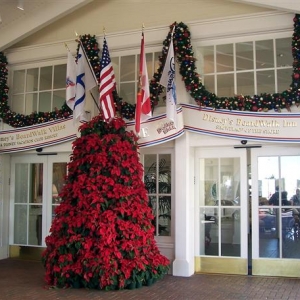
x=39 y=150
x=243 y=142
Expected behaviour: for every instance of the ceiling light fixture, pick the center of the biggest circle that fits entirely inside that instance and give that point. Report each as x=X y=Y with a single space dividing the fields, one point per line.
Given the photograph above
x=20 y=4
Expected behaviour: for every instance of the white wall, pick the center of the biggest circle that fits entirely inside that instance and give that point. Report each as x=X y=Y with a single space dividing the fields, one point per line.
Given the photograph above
x=126 y=15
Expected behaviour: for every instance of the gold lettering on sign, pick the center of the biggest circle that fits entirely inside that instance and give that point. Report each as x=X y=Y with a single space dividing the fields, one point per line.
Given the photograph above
x=248 y=125
x=287 y=123
x=257 y=123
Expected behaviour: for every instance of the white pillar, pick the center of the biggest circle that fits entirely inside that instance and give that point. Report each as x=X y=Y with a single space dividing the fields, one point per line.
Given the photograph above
x=184 y=263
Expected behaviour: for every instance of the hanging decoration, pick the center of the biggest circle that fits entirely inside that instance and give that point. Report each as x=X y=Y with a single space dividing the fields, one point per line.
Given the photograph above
x=187 y=68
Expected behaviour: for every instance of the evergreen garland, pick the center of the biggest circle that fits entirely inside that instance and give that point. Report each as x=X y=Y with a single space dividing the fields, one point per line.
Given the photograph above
x=187 y=68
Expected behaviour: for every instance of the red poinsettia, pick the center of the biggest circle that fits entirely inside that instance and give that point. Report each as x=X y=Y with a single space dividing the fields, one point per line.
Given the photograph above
x=102 y=235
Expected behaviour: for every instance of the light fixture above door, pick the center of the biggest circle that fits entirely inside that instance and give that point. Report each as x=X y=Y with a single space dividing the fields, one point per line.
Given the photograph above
x=20 y=4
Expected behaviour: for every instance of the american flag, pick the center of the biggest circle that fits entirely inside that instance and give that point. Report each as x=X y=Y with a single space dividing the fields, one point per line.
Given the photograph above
x=107 y=84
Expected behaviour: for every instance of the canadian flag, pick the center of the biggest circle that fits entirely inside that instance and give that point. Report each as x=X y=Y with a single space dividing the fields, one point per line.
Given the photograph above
x=143 y=105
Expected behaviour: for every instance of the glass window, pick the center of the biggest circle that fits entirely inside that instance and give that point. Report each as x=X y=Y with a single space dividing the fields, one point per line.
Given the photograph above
x=283 y=52
x=59 y=81
x=115 y=61
x=236 y=72
x=46 y=78
x=45 y=89
x=19 y=81
x=209 y=82
x=265 y=81
x=32 y=78
x=264 y=54
x=18 y=103
x=45 y=86
x=45 y=101
x=283 y=79
x=30 y=103
x=224 y=55
x=157 y=178
x=59 y=97
x=225 y=84
x=207 y=63
x=245 y=83
x=244 y=56
x=128 y=66
x=128 y=92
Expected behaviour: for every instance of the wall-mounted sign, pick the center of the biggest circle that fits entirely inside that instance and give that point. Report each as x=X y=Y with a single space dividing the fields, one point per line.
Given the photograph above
x=37 y=136
x=272 y=127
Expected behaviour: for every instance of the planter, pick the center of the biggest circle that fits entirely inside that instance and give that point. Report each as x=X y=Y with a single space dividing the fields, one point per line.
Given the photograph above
x=149 y=282
x=139 y=284
x=131 y=286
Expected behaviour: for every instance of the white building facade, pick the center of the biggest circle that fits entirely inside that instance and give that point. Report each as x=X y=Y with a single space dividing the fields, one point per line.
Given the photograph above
x=210 y=178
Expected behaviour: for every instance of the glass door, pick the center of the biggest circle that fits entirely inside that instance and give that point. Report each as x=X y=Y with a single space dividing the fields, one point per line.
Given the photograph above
x=27 y=205
x=276 y=211
x=36 y=183
x=221 y=197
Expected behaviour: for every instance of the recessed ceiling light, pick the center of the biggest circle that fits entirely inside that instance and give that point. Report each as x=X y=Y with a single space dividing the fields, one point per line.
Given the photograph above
x=20 y=5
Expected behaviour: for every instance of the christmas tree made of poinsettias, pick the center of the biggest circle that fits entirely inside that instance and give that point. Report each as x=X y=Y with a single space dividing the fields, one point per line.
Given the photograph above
x=102 y=236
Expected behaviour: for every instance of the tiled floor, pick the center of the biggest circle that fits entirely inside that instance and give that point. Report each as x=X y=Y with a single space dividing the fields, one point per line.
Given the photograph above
x=24 y=280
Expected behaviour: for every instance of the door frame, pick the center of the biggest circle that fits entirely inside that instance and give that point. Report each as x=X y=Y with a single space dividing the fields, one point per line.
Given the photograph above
x=219 y=264
x=4 y=206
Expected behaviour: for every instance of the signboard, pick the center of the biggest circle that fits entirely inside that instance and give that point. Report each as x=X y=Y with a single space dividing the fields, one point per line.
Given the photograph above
x=37 y=136
x=269 y=127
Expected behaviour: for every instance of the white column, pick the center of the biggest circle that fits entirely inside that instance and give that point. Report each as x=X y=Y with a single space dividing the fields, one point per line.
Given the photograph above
x=184 y=262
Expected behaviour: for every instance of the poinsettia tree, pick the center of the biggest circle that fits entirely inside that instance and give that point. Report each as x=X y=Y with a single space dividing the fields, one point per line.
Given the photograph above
x=102 y=236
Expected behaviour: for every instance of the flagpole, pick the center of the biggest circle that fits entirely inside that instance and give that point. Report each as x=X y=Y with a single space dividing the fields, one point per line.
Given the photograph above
x=172 y=33
x=140 y=74
x=90 y=66
x=67 y=47
x=168 y=81
x=95 y=101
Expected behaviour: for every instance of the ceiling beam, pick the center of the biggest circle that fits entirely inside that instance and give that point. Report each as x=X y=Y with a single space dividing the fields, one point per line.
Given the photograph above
x=34 y=21
x=283 y=5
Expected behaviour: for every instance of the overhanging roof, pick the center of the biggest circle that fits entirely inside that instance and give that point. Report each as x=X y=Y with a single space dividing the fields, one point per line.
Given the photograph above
x=18 y=24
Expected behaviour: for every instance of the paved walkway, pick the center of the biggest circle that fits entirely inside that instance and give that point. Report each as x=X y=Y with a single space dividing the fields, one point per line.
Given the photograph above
x=25 y=280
